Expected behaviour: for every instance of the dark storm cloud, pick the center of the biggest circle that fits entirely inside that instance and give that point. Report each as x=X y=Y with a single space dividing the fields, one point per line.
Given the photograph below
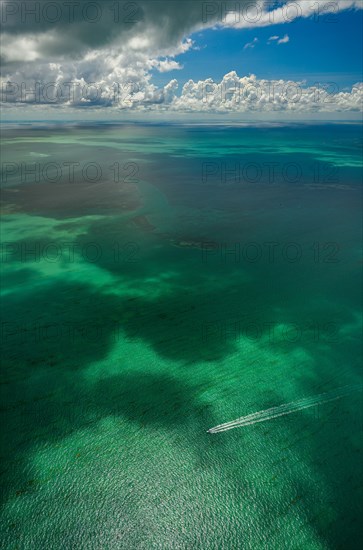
x=70 y=28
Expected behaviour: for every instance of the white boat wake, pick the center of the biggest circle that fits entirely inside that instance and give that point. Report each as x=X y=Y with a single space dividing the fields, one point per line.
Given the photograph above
x=287 y=408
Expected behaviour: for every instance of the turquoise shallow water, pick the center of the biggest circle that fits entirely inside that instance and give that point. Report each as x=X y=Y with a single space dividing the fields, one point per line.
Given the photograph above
x=195 y=288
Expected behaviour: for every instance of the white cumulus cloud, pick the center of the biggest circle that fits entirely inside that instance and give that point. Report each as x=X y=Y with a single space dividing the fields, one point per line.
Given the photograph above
x=284 y=40
x=167 y=65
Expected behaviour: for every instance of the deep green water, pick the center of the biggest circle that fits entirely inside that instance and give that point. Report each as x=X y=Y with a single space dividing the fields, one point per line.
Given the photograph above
x=127 y=334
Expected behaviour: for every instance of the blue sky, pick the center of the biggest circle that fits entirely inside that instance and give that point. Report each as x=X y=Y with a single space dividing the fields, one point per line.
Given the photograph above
x=142 y=68
x=329 y=49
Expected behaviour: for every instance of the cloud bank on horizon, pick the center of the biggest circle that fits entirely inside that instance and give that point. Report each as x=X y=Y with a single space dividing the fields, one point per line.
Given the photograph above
x=103 y=55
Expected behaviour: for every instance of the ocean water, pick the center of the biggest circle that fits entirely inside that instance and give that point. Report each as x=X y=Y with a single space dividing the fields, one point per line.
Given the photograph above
x=161 y=280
